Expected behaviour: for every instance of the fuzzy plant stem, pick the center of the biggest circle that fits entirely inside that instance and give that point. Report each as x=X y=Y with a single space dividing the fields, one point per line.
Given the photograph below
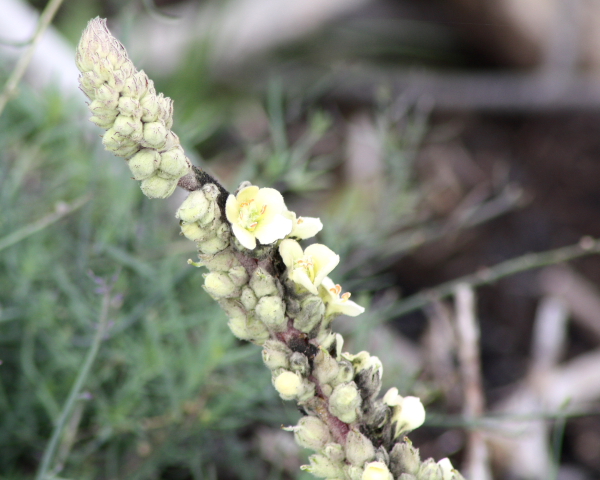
x=276 y=293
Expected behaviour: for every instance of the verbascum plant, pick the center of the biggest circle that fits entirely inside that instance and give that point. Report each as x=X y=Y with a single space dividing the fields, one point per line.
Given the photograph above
x=275 y=293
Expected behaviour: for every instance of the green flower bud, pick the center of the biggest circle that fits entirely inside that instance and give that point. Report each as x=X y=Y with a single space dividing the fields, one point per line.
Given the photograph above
x=130 y=107
x=144 y=163
x=276 y=354
x=99 y=108
x=271 y=311
x=174 y=162
x=376 y=471
x=128 y=127
x=248 y=298
x=150 y=108
x=165 y=110
x=311 y=433
x=326 y=368
x=327 y=389
x=194 y=207
x=353 y=472
x=90 y=81
x=156 y=187
x=326 y=338
x=334 y=452
x=212 y=245
x=345 y=374
x=238 y=275
x=136 y=86
x=263 y=284
x=344 y=402
x=155 y=135
x=359 y=448
x=311 y=313
x=220 y=262
x=193 y=232
x=233 y=308
x=127 y=149
x=249 y=328
x=220 y=285
x=322 y=467
x=171 y=141
x=112 y=139
x=298 y=363
x=430 y=470
x=107 y=95
x=104 y=121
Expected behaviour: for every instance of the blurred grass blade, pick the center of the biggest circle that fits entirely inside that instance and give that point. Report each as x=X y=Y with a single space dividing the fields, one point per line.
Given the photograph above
x=75 y=390
x=26 y=231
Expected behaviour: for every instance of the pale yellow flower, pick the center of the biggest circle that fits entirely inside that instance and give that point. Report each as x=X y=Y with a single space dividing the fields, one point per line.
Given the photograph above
x=336 y=302
x=408 y=412
x=376 y=471
x=257 y=213
x=303 y=227
x=308 y=268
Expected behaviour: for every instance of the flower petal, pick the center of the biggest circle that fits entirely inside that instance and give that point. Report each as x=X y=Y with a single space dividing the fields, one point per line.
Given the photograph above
x=300 y=277
x=244 y=236
x=306 y=227
x=232 y=209
x=290 y=250
x=273 y=201
x=247 y=194
x=276 y=229
x=324 y=260
x=348 y=307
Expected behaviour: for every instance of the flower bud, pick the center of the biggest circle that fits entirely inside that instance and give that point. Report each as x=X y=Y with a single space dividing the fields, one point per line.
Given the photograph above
x=212 y=245
x=322 y=467
x=311 y=313
x=156 y=187
x=130 y=107
x=194 y=207
x=407 y=476
x=144 y=163
x=334 y=451
x=238 y=275
x=155 y=135
x=430 y=470
x=248 y=328
x=325 y=368
x=271 y=311
x=150 y=108
x=263 y=284
x=104 y=121
x=193 y=232
x=448 y=471
x=359 y=448
x=404 y=458
x=299 y=363
x=174 y=162
x=376 y=471
x=288 y=384
x=248 y=298
x=220 y=262
x=346 y=373
x=353 y=472
x=128 y=126
x=220 y=285
x=344 y=402
x=311 y=433
x=276 y=354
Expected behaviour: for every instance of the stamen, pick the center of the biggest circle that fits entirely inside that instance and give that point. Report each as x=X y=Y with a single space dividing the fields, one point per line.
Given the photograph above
x=262 y=210
x=345 y=296
x=300 y=220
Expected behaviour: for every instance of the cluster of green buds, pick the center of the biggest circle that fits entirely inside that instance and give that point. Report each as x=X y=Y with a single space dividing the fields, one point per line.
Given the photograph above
x=137 y=120
x=276 y=294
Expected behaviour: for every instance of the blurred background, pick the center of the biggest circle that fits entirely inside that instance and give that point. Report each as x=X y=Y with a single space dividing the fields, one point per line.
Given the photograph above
x=434 y=138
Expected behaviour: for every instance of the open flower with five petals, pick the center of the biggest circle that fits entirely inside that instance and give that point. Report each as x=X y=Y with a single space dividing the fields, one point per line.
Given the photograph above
x=257 y=213
x=308 y=268
x=336 y=302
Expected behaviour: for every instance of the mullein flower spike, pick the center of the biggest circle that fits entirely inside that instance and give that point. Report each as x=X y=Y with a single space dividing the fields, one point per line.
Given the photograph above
x=125 y=103
x=275 y=293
